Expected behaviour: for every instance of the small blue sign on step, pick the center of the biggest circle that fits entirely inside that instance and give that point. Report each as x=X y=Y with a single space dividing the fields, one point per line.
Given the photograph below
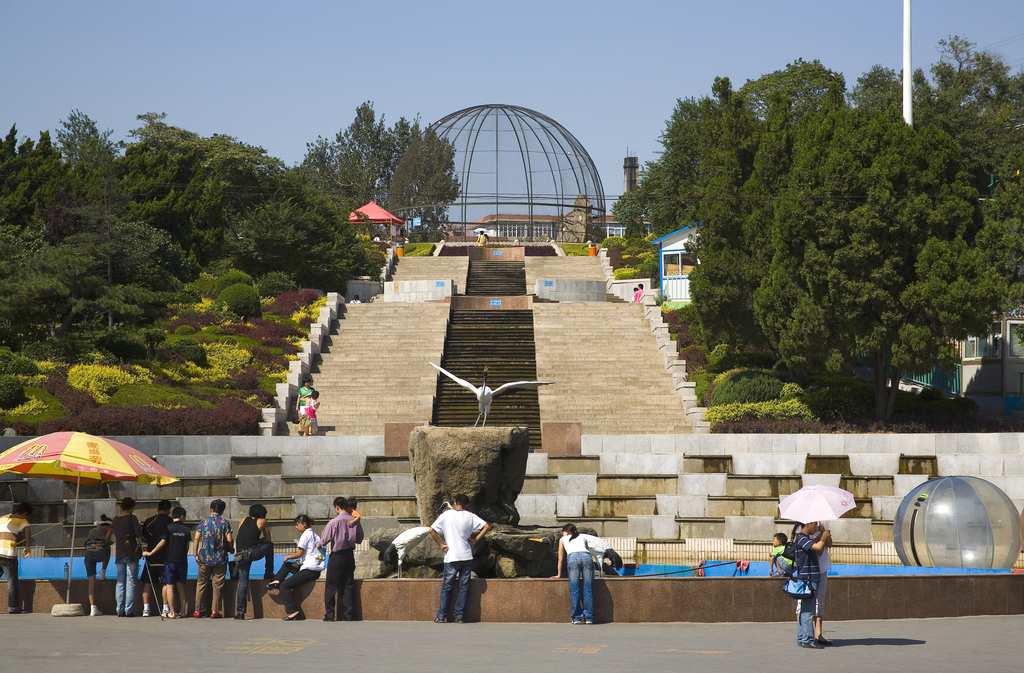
x=438 y=283
x=497 y=253
x=549 y=283
x=495 y=302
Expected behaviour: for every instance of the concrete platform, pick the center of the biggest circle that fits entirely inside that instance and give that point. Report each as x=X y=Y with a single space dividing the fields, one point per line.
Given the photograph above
x=31 y=645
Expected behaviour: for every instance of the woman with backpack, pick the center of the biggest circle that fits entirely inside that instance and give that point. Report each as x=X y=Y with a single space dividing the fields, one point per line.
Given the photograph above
x=97 y=552
x=127 y=552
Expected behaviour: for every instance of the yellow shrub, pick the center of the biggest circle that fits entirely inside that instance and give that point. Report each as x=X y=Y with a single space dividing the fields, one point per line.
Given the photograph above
x=227 y=357
x=313 y=310
x=37 y=381
x=776 y=410
x=101 y=381
x=46 y=366
x=33 y=407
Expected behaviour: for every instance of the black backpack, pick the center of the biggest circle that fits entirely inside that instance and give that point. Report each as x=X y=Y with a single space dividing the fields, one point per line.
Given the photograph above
x=789 y=553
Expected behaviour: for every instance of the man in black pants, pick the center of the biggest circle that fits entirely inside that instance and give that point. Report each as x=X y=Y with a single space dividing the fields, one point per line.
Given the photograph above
x=343 y=533
x=154 y=530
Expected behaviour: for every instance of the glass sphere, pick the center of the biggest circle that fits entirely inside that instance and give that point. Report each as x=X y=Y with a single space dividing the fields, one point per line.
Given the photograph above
x=957 y=522
x=519 y=165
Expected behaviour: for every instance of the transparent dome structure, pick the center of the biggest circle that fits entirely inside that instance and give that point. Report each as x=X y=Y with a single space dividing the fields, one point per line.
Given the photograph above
x=957 y=522
x=521 y=168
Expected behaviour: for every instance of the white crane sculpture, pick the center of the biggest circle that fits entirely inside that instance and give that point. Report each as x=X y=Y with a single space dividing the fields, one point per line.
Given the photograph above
x=484 y=395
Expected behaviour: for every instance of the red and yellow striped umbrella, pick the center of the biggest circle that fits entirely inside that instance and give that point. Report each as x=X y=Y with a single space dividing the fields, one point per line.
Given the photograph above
x=76 y=456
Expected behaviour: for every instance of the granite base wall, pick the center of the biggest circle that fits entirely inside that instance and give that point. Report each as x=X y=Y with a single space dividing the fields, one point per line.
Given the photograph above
x=711 y=599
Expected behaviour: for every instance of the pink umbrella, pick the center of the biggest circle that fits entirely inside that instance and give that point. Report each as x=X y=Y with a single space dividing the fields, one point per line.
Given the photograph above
x=816 y=503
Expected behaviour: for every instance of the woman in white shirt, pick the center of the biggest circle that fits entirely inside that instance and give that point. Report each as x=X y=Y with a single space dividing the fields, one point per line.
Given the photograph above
x=572 y=547
x=305 y=564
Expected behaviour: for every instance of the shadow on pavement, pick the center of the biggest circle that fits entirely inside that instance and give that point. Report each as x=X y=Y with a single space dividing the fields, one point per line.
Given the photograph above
x=895 y=642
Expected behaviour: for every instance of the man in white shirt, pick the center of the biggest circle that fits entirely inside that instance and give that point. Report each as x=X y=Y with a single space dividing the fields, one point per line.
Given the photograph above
x=457 y=525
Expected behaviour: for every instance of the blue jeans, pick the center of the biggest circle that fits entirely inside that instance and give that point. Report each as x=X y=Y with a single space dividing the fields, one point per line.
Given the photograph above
x=463 y=569
x=9 y=567
x=124 y=592
x=805 y=627
x=242 y=573
x=581 y=565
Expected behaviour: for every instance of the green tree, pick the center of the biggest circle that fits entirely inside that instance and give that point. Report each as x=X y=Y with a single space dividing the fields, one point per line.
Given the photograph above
x=425 y=184
x=878 y=246
x=191 y=186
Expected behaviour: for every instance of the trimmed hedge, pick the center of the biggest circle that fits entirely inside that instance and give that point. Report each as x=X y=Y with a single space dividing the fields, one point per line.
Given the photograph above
x=232 y=278
x=747 y=387
x=243 y=300
x=419 y=249
x=625 y=273
x=274 y=283
x=230 y=417
x=771 y=410
x=125 y=345
x=191 y=350
x=11 y=392
x=696 y=358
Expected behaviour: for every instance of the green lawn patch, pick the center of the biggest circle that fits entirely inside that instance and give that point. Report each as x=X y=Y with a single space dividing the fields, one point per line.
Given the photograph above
x=575 y=249
x=54 y=409
x=419 y=249
x=269 y=383
x=154 y=394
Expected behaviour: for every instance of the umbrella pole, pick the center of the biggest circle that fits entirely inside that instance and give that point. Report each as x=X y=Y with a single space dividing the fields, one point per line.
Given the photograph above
x=74 y=525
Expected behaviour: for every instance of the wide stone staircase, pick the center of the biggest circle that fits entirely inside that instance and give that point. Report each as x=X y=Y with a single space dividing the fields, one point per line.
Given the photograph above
x=374 y=367
x=432 y=268
x=502 y=341
x=610 y=376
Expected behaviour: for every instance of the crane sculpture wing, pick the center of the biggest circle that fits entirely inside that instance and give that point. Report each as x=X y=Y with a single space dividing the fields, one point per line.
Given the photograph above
x=519 y=384
x=465 y=384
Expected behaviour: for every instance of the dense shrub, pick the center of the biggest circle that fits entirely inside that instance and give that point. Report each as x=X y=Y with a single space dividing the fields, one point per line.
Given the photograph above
x=242 y=300
x=769 y=426
x=185 y=330
x=227 y=357
x=101 y=381
x=696 y=358
x=274 y=283
x=11 y=392
x=702 y=383
x=62 y=351
x=287 y=303
x=246 y=379
x=196 y=321
x=454 y=251
x=614 y=242
x=191 y=350
x=615 y=258
x=267 y=359
x=25 y=428
x=232 y=278
x=205 y=284
x=539 y=251
x=6 y=357
x=229 y=417
x=772 y=409
x=747 y=387
x=625 y=273
x=922 y=404
x=124 y=344
x=847 y=398
x=791 y=390
x=22 y=367
x=74 y=401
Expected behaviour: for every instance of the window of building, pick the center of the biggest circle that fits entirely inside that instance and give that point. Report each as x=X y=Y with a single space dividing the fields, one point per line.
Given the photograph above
x=676 y=264
x=1016 y=346
x=984 y=347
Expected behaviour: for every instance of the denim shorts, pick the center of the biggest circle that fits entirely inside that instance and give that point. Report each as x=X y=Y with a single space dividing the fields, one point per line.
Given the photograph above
x=175 y=572
x=94 y=558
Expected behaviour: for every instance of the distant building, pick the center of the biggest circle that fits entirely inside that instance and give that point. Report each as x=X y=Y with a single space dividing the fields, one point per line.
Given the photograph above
x=992 y=366
x=675 y=264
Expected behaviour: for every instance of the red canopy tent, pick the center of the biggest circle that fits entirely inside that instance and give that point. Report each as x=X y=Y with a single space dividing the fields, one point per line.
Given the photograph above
x=376 y=215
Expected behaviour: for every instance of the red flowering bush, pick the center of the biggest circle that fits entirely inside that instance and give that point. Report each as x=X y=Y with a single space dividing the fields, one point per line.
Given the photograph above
x=245 y=379
x=197 y=321
x=540 y=251
x=696 y=358
x=230 y=417
x=74 y=401
x=287 y=303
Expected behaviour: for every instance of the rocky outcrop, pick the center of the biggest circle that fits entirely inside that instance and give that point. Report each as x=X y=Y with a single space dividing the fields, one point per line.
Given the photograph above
x=487 y=464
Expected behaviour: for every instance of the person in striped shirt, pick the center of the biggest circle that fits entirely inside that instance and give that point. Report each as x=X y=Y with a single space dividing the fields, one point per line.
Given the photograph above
x=10 y=526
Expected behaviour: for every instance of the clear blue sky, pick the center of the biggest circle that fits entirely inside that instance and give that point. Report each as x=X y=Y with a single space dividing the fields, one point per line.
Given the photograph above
x=279 y=74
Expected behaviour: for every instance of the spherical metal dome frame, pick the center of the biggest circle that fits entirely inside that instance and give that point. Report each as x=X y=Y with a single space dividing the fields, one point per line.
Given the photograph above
x=555 y=167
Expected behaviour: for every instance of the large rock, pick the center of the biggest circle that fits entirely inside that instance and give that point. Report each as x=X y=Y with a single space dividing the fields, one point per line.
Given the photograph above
x=370 y=565
x=487 y=464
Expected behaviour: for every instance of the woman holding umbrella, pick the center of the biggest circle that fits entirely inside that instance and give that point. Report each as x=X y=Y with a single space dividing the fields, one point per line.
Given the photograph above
x=127 y=531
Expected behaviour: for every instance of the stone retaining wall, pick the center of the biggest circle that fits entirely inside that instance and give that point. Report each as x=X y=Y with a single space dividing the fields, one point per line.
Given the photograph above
x=634 y=600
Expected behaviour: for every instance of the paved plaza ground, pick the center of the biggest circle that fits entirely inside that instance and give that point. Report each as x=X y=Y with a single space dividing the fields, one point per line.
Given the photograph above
x=41 y=644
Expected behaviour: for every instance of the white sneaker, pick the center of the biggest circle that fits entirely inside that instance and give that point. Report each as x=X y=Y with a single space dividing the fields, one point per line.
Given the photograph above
x=145 y=612
x=167 y=610
x=95 y=612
